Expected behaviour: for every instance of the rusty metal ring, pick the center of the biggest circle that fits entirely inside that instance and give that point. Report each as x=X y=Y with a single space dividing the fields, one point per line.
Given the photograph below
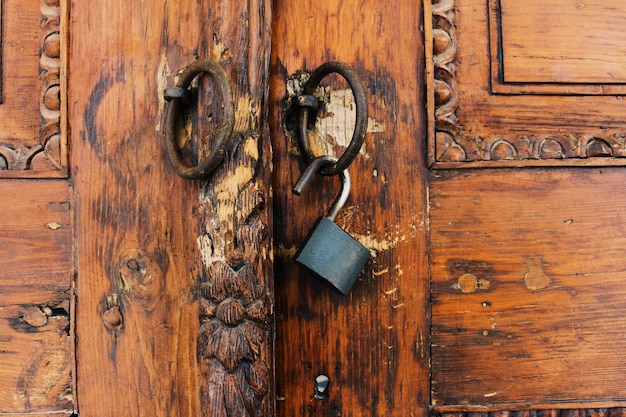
x=307 y=103
x=179 y=94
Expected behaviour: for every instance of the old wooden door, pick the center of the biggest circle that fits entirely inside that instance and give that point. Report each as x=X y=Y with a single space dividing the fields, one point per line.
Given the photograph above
x=489 y=193
x=127 y=290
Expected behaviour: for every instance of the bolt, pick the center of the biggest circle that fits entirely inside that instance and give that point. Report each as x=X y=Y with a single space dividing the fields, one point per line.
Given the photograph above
x=112 y=318
x=321 y=387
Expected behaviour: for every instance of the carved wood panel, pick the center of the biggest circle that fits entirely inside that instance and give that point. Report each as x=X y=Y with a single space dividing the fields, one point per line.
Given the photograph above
x=32 y=142
x=478 y=119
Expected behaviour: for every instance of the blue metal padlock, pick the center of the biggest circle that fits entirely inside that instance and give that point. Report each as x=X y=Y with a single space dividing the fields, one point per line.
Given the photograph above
x=329 y=251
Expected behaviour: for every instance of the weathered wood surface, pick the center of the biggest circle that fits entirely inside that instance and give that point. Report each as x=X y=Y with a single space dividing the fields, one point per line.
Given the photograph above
x=475 y=116
x=35 y=260
x=372 y=343
x=567 y=412
x=528 y=287
x=136 y=321
x=235 y=347
x=173 y=282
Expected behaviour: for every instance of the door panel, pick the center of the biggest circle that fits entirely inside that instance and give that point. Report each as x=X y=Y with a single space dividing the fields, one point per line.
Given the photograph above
x=526 y=266
x=527 y=286
x=373 y=342
x=35 y=345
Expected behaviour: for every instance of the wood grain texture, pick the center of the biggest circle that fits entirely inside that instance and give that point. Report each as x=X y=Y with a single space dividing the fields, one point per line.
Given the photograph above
x=59 y=414
x=35 y=260
x=137 y=259
x=174 y=279
x=527 y=287
x=568 y=49
x=372 y=343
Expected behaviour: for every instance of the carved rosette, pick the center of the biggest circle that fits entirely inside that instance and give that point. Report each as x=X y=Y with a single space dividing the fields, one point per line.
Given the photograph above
x=453 y=145
x=235 y=307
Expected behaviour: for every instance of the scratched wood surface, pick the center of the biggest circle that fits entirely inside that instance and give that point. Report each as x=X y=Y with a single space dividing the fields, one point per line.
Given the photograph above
x=35 y=260
x=528 y=300
x=135 y=316
x=174 y=276
x=372 y=343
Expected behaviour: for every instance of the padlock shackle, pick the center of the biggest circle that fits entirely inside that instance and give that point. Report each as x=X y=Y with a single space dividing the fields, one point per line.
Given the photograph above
x=317 y=164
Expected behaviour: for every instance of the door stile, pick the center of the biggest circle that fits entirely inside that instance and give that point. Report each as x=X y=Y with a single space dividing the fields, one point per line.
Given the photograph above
x=163 y=261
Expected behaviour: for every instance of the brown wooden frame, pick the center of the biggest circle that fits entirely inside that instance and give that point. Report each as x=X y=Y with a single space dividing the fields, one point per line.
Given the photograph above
x=459 y=136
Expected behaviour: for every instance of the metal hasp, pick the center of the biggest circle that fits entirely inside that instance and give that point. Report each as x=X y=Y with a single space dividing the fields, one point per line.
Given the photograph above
x=329 y=251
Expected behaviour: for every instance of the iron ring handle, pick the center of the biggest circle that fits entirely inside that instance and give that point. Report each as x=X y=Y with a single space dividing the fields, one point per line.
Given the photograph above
x=307 y=102
x=180 y=94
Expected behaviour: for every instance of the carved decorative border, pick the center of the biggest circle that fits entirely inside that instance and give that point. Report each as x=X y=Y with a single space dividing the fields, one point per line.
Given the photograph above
x=46 y=154
x=582 y=412
x=50 y=76
x=449 y=144
x=444 y=44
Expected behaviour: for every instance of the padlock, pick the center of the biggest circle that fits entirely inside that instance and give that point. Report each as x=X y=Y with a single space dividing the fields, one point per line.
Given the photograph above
x=329 y=251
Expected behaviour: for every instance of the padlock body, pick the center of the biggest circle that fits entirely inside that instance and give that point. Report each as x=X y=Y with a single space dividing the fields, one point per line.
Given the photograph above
x=333 y=254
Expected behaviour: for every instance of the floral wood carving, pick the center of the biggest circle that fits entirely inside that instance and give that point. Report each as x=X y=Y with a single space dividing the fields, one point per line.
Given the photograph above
x=452 y=144
x=235 y=303
x=45 y=154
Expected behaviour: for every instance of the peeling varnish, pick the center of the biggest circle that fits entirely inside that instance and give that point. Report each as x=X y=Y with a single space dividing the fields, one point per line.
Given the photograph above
x=227 y=191
x=162 y=84
x=389 y=241
x=54 y=226
x=381 y=272
x=536 y=278
x=336 y=127
x=335 y=122
x=391 y=291
x=285 y=253
x=246 y=115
